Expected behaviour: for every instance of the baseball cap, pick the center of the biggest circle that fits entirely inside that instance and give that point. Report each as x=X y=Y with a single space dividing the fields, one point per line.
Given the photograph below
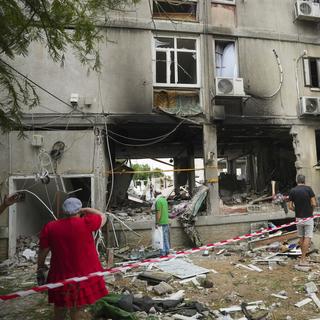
x=71 y=205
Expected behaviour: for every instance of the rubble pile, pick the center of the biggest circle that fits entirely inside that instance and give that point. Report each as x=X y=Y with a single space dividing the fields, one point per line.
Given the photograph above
x=256 y=279
x=26 y=254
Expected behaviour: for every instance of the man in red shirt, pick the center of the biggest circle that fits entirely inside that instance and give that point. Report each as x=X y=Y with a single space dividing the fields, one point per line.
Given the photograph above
x=73 y=254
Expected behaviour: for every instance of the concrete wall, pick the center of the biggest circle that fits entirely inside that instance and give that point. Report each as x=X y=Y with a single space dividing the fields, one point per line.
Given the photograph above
x=126 y=68
x=125 y=82
x=304 y=142
x=211 y=229
x=77 y=157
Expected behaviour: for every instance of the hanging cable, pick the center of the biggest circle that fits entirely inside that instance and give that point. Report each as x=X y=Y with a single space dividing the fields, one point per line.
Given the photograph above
x=149 y=143
x=36 y=84
x=111 y=164
x=147 y=139
x=30 y=192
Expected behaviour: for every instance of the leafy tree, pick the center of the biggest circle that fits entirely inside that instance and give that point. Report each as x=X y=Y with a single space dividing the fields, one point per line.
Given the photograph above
x=143 y=171
x=156 y=173
x=58 y=25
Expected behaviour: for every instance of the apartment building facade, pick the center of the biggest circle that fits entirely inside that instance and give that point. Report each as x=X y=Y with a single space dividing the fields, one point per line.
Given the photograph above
x=224 y=79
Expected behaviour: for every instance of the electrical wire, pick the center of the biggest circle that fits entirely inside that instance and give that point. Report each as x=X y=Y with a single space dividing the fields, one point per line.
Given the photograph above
x=147 y=139
x=36 y=84
x=150 y=143
x=111 y=165
x=30 y=192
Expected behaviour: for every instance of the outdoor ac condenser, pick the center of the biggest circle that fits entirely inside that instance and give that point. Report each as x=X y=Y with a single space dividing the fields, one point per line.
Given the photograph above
x=229 y=87
x=307 y=10
x=309 y=106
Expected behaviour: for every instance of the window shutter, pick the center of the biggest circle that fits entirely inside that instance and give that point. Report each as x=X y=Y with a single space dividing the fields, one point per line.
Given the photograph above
x=306 y=69
x=318 y=71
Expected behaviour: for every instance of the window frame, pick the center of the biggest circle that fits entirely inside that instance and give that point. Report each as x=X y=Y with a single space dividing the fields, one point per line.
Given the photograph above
x=230 y=2
x=236 y=51
x=196 y=20
x=168 y=51
x=307 y=73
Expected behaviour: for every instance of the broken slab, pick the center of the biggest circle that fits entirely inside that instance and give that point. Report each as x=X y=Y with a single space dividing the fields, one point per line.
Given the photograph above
x=281 y=238
x=279 y=296
x=250 y=306
x=162 y=288
x=252 y=266
x=155 y=277
x=181 y=268
x=249 y=267
x=315 y=299
x=303 y=302
x=302 y=268
x=310 y=287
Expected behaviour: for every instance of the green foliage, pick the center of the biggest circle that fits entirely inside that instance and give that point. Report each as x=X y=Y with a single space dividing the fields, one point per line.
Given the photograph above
x=141 y=174
x=58 y=25
x=156 y=173
x=145 y=173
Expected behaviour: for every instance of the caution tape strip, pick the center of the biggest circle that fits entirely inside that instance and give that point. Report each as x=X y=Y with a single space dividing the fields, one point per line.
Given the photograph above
x=145 y=262
x=160 y=170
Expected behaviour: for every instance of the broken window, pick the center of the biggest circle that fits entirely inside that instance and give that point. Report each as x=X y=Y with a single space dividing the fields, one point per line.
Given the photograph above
x=176 y=61
x=312 y=72
x=226 y=59
x=180 y=102
x=175 y=10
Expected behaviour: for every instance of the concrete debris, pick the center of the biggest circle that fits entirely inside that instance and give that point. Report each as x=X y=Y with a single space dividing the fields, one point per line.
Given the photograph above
x=252 y=266
x=176 y=295
x=162 y=288
x=249 y=306
x=302 y=268
x=303 y=302
x=181 y=317
x=29 y=254
x=154 y=278
x=247 y=267
x=181 y=268
x=315 y=299
x=280 y=296
x=310 y=287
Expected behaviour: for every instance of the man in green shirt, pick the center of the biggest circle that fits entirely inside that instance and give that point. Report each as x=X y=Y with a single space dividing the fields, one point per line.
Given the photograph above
x=162 y=221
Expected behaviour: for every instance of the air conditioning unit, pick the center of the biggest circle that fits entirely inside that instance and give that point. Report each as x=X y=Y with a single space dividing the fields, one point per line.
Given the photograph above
x=307 y=10
x=309 y=106
x=229 y=87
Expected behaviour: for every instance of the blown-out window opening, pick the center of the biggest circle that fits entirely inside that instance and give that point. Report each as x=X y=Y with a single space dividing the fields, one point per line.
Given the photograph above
x=176 y=61
x=175 y=10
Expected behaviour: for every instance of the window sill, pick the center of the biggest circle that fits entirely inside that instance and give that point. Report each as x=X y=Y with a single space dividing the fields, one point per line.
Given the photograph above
x=224 y=2
x=176 y=18
x=176 y=86
x=315 y=89
x=317 y=167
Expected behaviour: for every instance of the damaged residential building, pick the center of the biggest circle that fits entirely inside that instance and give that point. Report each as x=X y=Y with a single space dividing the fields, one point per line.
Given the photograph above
x=233 y=82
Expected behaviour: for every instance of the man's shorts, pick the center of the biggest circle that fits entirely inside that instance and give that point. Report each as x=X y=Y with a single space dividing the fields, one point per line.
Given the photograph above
x=305 y=228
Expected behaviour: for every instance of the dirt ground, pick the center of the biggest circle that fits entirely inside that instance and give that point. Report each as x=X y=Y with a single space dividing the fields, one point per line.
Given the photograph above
x=231 y=286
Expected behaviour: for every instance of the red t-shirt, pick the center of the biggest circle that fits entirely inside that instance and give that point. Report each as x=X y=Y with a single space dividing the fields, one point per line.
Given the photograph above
x=72 y=246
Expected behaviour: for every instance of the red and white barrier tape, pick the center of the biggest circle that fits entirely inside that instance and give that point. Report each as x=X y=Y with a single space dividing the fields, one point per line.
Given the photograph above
x=145 y=262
